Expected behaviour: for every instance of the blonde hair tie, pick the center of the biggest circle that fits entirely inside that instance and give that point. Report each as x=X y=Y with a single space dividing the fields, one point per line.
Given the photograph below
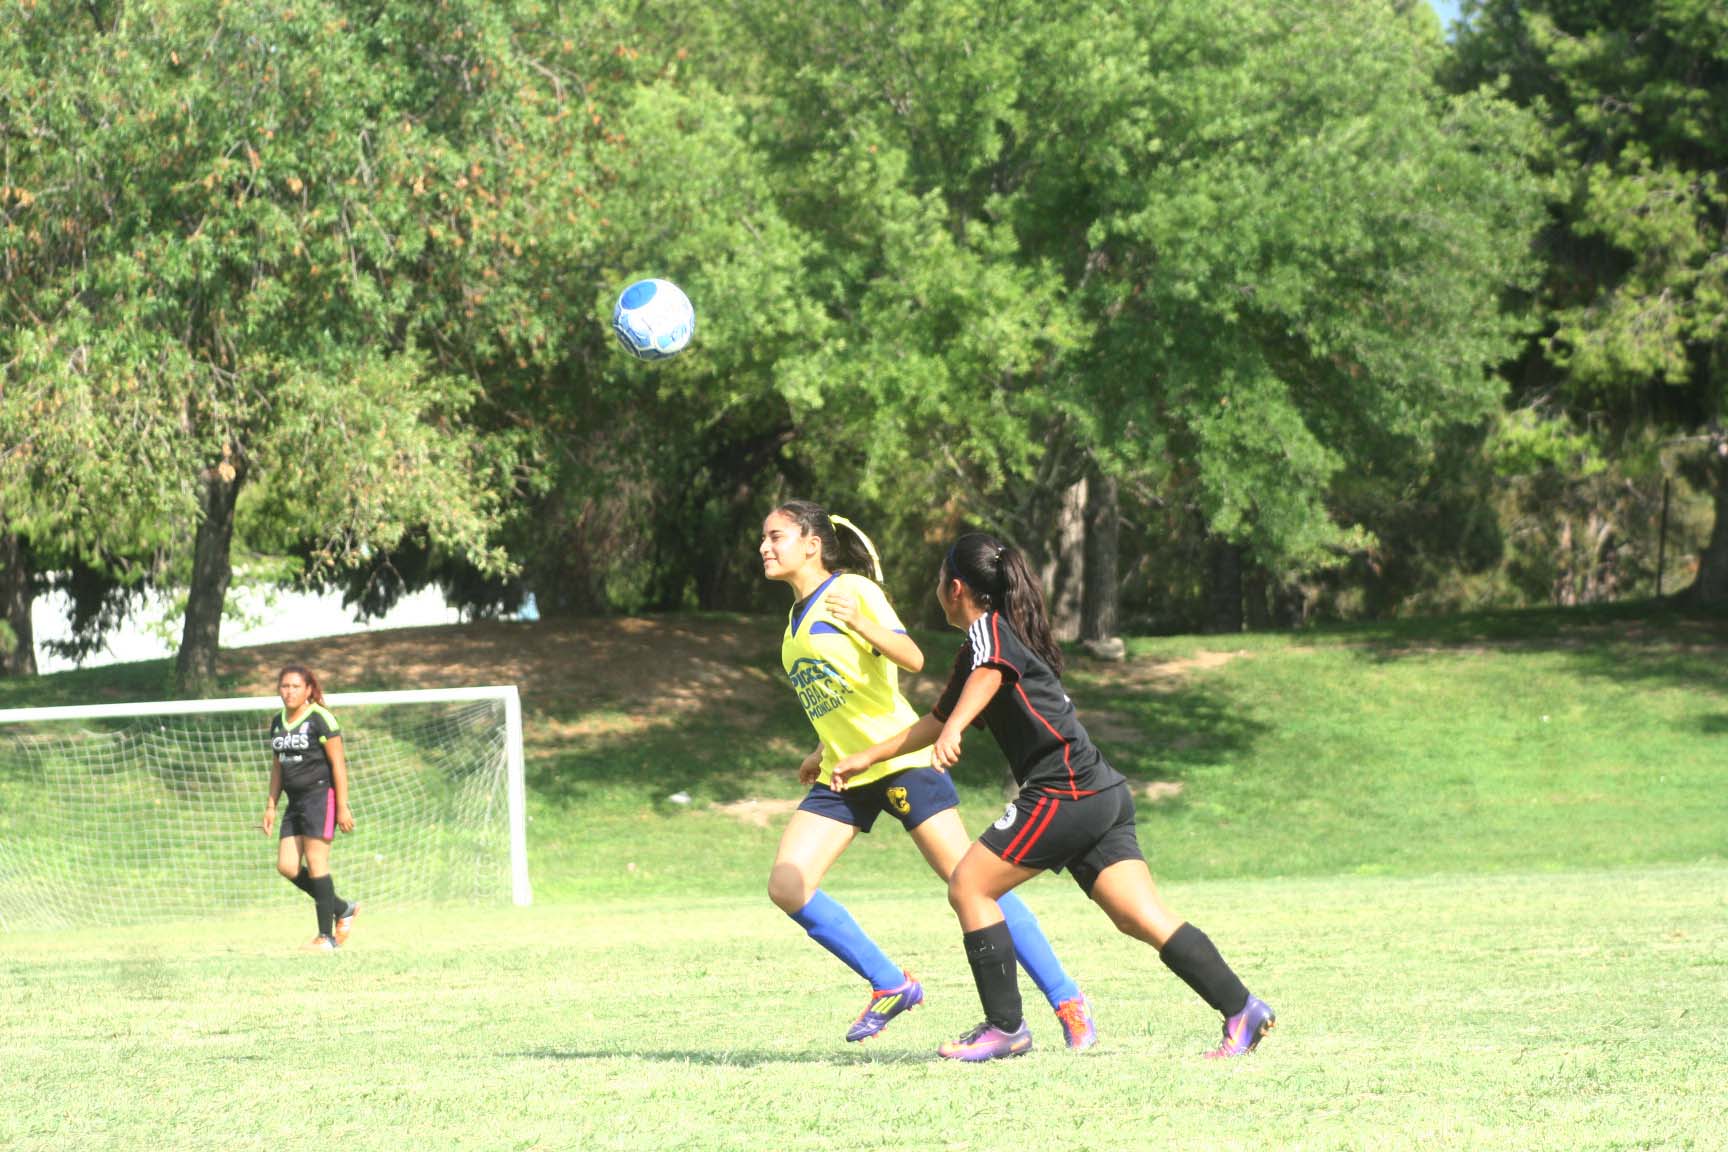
x=875 y=560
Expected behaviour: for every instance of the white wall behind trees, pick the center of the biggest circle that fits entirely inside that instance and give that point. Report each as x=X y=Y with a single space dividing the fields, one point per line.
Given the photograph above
x=152 y=634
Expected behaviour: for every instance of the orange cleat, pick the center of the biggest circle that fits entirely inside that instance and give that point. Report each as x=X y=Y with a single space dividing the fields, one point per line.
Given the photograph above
x=345 y=923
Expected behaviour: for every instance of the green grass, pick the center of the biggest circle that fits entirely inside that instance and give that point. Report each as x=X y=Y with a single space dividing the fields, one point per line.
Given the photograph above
x=1524 y=741
x=1573 y=1011
x=1477 y=864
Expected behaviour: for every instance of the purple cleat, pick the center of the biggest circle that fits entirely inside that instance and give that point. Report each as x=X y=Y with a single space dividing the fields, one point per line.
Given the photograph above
x=1245 y=1029
x=884 y=1006
x=988 y=1042
x=1075 y=1017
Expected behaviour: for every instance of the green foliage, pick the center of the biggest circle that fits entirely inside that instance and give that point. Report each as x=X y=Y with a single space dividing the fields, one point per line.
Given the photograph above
x=1528 y=440
x=1232 y=251
x=1631 y=96
x=1634 y=297
x=284 y=246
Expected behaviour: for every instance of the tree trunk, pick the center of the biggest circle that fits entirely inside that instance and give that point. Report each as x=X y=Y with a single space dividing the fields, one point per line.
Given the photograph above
x=212 y=569
x=1256 y=599
x=1065 y=575
x=1711 y=587
x=17 y=597
x=1099 y=609
x=1565 y=595
x=1226 y=582
x=1289 y=604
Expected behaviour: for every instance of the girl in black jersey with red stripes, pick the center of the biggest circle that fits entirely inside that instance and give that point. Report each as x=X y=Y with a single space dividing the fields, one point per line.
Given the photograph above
x=1074 y=810
x=308 y=764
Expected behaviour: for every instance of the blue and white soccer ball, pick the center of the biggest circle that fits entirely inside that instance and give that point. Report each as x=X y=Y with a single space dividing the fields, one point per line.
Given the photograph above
x=654 y=319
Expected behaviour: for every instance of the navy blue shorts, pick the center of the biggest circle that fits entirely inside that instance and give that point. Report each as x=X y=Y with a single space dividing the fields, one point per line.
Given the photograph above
x=911 y=797
x=1050 y=832
x=310 y=813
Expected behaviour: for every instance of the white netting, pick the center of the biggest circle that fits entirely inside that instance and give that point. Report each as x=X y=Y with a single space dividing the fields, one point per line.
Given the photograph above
x=113 y=820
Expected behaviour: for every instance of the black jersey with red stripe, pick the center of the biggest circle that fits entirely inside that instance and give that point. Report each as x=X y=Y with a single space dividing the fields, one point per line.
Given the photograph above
x=1031 y=716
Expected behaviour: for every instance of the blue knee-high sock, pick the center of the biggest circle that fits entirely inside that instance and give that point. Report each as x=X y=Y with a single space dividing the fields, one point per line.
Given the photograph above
x=830 y=925
x=1034 y=951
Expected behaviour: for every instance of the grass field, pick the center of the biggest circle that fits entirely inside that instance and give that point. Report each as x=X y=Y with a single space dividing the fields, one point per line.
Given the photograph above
x=1477 y=865
x=1574 y=1011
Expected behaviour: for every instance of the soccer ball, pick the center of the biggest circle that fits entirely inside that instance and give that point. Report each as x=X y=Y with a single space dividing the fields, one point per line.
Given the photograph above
x=654 y=319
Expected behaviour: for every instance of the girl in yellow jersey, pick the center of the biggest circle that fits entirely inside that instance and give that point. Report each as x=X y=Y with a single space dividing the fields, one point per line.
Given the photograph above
x=843 y=650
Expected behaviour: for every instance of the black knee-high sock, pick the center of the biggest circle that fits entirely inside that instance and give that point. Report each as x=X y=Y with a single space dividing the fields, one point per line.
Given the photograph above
x=324 y=892
x=1191 y=954
x=304 y=883
x=990 y=951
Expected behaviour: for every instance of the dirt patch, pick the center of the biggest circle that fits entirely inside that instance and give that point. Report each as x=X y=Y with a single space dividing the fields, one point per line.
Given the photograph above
x=632 y=673
x=1159 y=791
x=758 y=812
x=1199 y=662
x=1168 y=675
x=1108 y=728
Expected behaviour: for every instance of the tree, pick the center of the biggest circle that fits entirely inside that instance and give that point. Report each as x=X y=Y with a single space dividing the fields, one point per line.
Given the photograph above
x=1635 y=297
x=1232 y=252
x=305 y=270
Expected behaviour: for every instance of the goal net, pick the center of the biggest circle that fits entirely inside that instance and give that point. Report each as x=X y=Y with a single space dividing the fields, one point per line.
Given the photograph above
x=122 y=813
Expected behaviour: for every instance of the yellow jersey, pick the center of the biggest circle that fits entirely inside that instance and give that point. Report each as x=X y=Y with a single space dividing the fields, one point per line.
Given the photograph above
x=850 y=692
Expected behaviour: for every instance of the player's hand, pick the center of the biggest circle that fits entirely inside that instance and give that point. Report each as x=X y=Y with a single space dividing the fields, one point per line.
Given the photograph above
x=842 y=606
x=269 y=818
x=811 y=769
x=945 y=753
x=848 y=767
x=344 y=818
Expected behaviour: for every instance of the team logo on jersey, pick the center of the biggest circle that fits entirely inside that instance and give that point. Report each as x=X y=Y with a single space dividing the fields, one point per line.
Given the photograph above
x=897 y=801
x=1009 y=814
x=289 y=740
x=820 y=687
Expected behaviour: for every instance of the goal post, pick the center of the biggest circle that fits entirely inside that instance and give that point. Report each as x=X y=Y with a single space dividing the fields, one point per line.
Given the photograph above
x=116 y=813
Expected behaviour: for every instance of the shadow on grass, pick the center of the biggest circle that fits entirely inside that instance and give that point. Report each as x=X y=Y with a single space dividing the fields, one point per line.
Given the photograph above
x=1177 y=726
x=734 y=1059
x=1157 y=734
x=1647 y=642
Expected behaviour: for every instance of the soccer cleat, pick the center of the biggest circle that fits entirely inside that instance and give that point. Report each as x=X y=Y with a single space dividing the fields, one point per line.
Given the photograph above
x=1245 y=1029
x=1075 y=1017
x=884 y=1006
x=320 y=944
x=988 y=1042
x=345 y=923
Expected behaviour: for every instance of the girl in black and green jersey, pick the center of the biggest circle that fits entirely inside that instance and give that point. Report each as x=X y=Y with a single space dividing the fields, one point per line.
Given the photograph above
x=307 y=763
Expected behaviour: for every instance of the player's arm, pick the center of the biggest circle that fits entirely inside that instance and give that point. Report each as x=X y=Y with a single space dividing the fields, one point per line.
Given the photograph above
x=897 y=646
x=811 y=768
x=270 y=796
x=339 y=781
x=918 y=735
x=981 y=688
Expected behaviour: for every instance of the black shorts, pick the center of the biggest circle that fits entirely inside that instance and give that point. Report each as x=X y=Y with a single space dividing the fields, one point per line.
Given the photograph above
x=310 y=813
x=911 y=797
x=1049 y=833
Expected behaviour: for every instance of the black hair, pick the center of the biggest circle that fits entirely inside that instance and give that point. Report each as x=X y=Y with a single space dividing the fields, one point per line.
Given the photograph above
x=999 y=579
x=855 y=554
x=314 y=690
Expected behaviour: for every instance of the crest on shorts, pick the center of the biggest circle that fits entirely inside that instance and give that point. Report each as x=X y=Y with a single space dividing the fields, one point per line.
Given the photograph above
x=897 y=801
x=1008 y=815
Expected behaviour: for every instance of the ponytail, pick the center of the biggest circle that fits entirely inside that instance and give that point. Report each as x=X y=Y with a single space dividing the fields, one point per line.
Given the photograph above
x=875 y=569
x=858 y=554
x=1001 y=580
